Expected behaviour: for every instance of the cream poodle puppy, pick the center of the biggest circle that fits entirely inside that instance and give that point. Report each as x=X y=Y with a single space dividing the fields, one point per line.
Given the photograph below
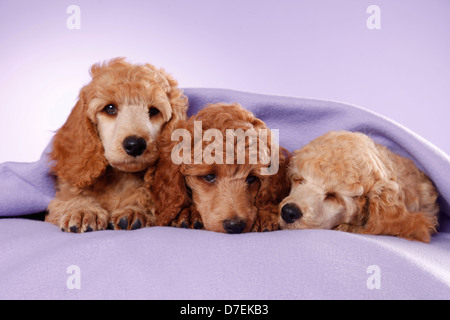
x=344 y=181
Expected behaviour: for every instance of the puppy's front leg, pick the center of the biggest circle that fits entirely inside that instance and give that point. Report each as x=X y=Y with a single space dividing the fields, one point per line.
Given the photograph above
x=135 y=212
x=77 y=215
x=196 y=219
x=188 y=218
x=266 y=220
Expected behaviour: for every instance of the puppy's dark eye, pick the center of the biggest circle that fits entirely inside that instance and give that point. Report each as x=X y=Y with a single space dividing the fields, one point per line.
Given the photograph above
x=298 y=180
x=330 y=196
x=210 y=178
x=110 y=109
x=153 y=112
x=251 y=179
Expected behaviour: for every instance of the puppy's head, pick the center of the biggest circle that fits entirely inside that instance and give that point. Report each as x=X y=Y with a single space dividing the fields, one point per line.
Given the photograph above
x=224 y=195
x=223 y=175
x=331 y=177
x=116 y=121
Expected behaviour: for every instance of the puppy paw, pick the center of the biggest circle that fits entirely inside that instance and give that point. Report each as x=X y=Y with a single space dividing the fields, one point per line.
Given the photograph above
x=183 y=220
x=265 y=222
x=421 y=227
x=188 y=218
x=130 y=218
x=84 y=219
x=196 y=220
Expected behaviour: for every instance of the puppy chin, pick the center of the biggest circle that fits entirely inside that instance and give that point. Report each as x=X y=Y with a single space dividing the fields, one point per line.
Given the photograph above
x=130 y=165
x=297 y=225
x=215 y=227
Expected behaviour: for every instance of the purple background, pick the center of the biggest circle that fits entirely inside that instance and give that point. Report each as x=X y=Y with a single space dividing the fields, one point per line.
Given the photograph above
x=320 y=49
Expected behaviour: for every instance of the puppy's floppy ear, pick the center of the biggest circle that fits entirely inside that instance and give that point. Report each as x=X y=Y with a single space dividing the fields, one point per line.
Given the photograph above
x=168 y=185
x=388 y=215
x=275 y=188
x=78 y=154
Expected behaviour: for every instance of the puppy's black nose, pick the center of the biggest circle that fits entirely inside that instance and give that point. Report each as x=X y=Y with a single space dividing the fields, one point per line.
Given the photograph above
x=234 y=225
x=134 y=146
x=290 y=212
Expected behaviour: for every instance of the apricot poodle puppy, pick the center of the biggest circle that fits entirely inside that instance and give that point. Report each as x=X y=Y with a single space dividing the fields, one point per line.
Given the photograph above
x=220 y=184
x=106 y=151
x=344 y=181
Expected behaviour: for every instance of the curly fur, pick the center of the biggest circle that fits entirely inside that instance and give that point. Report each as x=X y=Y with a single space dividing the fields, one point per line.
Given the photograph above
x=98 y=183
x=344 y=181
x=183 y=197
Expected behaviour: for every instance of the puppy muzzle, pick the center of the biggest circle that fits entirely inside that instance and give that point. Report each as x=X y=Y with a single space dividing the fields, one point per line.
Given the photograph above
x=290 y=213
x=134 y=146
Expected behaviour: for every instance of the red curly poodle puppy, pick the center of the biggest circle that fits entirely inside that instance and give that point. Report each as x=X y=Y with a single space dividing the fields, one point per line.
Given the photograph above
x=228 y=185
x=107 y=147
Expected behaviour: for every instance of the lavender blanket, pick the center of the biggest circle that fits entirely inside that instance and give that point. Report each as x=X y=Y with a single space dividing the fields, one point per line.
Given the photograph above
x=37 y=261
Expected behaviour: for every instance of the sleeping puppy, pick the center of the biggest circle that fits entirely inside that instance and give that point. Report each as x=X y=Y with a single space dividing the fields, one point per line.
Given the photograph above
x=106 y=150
x=213 y=176
x=344 y=181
